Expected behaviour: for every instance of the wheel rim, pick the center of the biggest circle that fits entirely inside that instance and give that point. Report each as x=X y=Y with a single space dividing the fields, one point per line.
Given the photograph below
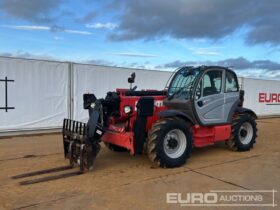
x=246 y=133
x=175 y=143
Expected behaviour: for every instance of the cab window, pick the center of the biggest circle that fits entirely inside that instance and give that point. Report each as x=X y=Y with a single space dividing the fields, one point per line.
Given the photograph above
x=212 y=83
x=231 y=83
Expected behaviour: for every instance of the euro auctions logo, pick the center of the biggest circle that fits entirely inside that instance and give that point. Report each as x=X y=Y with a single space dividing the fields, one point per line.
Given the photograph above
x=264 y=198
x=269 y=98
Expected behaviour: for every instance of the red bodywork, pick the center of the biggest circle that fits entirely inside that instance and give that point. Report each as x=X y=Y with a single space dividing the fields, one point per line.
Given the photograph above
x=120 y=129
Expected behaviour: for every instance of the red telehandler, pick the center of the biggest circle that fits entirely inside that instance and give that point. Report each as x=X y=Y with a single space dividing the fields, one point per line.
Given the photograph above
x=202 y=105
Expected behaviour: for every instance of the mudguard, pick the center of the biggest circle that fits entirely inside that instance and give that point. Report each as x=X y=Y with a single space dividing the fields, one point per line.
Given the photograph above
x=176 y=113
x=242 y=110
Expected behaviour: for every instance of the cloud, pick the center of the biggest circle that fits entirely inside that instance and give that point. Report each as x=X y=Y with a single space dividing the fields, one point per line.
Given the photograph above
x=88 y=17
x=23 y=54
x=235 y=63
x=28 y=55
x=58 y=38
x=27 y=27
x=53 y=28
x=199 y=19
x=143 y=55
x=134 y=65
x=109 y=26
x=77 y=32
x=173 y=64
x=40 y=11
x=205 y=51
x=99 y=62
x=56 y=28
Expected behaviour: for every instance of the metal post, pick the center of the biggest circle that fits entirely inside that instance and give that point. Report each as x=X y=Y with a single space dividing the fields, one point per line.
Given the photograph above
x=71 y=90
x=6 y=80
x=6 y=93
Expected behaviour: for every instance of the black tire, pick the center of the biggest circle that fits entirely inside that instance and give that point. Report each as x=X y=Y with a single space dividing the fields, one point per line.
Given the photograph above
x=243 y=133
x=156 y=140
x=115 y=148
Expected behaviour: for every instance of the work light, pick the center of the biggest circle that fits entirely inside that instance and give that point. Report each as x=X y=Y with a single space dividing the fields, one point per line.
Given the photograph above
x=127 y=109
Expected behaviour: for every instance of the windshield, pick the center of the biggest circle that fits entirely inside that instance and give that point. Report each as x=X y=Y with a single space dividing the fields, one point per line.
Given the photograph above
x=182 y=83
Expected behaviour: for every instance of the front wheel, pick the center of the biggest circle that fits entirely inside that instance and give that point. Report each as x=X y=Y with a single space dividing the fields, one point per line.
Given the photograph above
x=243 y=134
x=169 y=142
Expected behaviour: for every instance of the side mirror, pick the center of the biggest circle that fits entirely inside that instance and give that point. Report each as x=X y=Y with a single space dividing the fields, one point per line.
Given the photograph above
x=131 y=79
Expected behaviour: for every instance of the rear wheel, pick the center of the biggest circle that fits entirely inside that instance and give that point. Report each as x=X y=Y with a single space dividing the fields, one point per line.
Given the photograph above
x=243 y=134
x=169 y=142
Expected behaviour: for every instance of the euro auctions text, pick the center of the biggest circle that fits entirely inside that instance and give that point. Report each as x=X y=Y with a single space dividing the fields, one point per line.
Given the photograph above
x=223 y=198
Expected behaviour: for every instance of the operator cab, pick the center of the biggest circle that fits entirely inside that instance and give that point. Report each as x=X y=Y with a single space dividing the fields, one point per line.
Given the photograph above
x=207 y=95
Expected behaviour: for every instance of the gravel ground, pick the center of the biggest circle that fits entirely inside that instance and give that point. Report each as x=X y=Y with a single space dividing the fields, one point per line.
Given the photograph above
x=120 y=181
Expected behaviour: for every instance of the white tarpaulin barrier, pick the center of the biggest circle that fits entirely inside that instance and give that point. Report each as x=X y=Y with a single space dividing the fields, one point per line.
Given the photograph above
x=39 y=94
x=42 y=93
x=99 y=80
x=262 y=96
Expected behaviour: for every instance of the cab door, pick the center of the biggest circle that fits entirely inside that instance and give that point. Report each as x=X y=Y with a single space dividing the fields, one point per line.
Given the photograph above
x=232 y=95
x=209 y=100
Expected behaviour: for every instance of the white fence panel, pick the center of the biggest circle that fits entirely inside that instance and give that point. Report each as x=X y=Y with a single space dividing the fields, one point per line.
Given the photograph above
x=262 y=96
x=39 y=94
x=40 y=91
x=100 y=79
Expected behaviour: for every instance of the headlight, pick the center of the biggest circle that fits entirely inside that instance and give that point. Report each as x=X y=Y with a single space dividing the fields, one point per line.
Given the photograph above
x=127 y=109
x=92 y=105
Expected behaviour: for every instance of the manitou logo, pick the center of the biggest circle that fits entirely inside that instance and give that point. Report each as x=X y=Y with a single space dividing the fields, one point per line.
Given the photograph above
x=269 y=98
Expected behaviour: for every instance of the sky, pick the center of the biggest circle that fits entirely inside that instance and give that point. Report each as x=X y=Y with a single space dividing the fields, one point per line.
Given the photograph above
x=149 y=34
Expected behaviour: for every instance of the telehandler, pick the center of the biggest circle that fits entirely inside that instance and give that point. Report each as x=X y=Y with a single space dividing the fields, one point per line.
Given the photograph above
x=201 y=106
